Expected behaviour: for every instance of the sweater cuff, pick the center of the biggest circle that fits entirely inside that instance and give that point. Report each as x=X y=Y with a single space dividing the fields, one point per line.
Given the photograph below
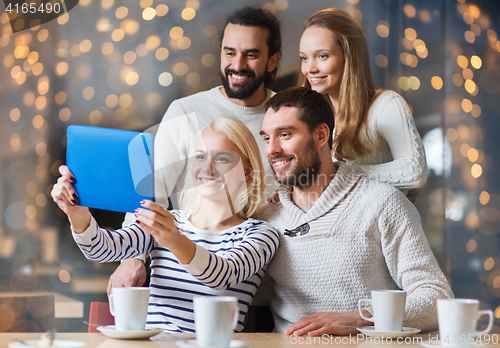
x=86 y=236
x=200 y=261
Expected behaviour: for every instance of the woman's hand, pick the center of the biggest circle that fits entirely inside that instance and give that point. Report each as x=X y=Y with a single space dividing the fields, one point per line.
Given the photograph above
x=158 y=222
x=64 y=194
x=275 y=198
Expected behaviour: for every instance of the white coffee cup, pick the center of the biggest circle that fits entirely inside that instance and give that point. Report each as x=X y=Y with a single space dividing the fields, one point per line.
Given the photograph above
x=457 y=321
x=388 y=309
x=215 y=318
x=129 y=306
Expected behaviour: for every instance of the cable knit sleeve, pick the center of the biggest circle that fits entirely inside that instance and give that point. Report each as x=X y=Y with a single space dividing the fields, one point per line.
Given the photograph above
x=411 y=262
x=226 y=268
x=394 y=124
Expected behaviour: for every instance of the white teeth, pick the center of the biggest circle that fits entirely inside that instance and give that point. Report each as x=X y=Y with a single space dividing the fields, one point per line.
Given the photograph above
x=280 y=163
x=207 y=181
x=239 y=77
x=315 y=79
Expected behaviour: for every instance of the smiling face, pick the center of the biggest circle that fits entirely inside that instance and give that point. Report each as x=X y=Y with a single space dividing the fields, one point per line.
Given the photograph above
x=290 y=148
x=217 y=166
x=245 y=60
x=322 y=60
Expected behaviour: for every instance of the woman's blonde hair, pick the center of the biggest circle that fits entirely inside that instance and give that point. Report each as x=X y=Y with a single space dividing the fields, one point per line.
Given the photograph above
x=247 y=201
x=357 y=89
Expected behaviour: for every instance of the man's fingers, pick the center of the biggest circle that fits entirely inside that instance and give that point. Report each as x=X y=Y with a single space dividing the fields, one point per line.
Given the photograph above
x=308 y=328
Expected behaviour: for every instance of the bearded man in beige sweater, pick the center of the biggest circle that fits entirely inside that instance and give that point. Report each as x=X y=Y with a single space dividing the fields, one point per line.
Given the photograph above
x=342 y=234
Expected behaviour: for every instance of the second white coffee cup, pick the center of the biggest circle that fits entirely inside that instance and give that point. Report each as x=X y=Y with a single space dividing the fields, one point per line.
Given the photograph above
x=457 y=320
x=388 y=309
x=129 y=306
x=215 y=318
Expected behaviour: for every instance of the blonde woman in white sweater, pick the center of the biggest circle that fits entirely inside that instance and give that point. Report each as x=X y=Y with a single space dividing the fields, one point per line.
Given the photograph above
x=374 y=128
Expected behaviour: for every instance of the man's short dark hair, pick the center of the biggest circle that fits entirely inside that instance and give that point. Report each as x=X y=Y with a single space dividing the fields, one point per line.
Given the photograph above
x=313 y=107
x=251 y=17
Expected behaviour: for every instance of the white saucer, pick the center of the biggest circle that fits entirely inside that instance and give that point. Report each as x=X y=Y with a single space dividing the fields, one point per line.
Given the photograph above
x=56 y=343
x=437 y=343
x=111 y=331
x=370 y=331
x=193 y=344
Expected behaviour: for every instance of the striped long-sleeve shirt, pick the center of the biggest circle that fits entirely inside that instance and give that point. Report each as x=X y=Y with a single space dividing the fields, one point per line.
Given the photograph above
x=226 y=263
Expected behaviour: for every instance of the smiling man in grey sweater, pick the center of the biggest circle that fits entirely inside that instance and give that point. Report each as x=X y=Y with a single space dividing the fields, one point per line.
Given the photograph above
x=341 y=233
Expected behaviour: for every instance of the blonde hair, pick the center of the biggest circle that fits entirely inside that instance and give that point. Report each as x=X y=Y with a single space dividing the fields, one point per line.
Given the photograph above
x=357 y=89
x=246 y=202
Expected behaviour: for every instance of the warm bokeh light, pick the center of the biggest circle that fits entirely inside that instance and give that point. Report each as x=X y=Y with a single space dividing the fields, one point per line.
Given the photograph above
x=410 y=34
x=476 y=171
x=383 y=29
x=162 y=53
x=176 y=33
x=489 y=263
x=381 y=61
x=464 y=149
x=184 y=43
x=64 y=114
x=165 y=79
x=466 y=105
x=121 y=12
x=451 y=134
x=180 y=69
x=462 y=61
x=15 y=114
x=88 y=93
x=473 y=154
x=111 y=101
x=471 y=246
x=38 y=121
x=476 y=110
x=404 y=83
x=437 y=82
x=476 y=62
x=129 y=57
x=161 y=10
x=95 y=117
x=117 y=35
x=149 y=13
x=107 y=48
x=484 y=198
x=188 y=14
x=414 y=82
x=64 y=276
x=153 y=42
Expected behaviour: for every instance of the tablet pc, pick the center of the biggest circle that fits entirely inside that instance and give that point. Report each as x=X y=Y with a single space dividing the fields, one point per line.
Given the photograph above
x=113 y=168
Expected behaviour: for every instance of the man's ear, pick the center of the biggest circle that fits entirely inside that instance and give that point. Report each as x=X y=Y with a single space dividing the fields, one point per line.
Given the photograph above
x=273 y=62
x=323 y=135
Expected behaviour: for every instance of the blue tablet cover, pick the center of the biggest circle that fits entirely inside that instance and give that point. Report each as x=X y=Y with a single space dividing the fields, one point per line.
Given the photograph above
x=113 y=168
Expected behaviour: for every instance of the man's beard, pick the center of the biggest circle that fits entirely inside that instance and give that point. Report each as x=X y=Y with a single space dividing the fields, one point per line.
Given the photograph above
x=245 y=92
x=305 y=172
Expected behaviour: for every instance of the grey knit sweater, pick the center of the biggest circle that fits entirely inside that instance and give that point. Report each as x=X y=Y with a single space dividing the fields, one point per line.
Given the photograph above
x=364 y=235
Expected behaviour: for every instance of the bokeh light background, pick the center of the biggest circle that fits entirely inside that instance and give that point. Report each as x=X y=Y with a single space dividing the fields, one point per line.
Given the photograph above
x=119 y=64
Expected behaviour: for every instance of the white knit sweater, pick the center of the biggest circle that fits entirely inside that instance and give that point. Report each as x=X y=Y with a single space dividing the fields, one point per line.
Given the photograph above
x=364 y=235
x=397 y=155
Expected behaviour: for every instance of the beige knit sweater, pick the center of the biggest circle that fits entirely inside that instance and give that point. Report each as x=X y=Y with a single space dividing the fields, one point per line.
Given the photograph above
x=364 y=235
